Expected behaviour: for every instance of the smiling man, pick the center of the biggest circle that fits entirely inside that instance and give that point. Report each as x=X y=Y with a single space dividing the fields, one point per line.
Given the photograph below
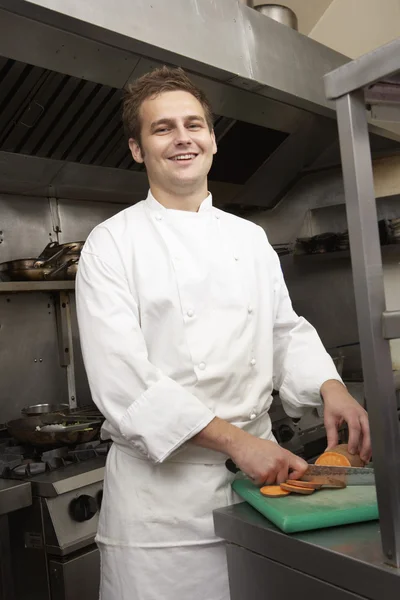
x=186 y=328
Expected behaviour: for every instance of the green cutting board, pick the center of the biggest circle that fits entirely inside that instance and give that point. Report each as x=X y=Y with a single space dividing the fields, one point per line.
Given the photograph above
x=324 y=508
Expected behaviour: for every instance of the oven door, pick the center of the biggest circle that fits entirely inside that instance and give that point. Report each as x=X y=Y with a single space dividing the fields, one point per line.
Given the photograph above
x=76 y=577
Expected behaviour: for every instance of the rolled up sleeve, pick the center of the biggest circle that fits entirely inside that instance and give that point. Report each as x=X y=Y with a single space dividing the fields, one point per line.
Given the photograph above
x=149 y=410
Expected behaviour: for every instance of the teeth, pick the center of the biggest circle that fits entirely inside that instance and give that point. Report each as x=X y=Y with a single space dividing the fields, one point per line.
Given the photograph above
x=184 y=157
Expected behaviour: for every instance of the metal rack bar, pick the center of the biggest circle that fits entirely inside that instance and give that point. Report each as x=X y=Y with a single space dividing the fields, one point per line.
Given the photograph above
x=370 y=303
x=35 y=286
x=65 y=343
x=391 y=324
x=362 y=72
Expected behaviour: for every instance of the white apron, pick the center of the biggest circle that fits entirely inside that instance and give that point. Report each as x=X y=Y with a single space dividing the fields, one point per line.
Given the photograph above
x=182 y=316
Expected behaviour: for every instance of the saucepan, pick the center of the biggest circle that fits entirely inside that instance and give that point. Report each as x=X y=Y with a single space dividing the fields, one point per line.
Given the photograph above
x=54 y=430
x=41 y=409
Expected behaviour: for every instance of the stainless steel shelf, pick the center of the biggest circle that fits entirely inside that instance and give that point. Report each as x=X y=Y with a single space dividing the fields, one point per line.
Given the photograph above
x=35 y=286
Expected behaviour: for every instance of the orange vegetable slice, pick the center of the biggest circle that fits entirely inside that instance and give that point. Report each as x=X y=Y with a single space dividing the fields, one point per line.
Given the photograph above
x=340 y=457
x=314 y=485
x=273 y=491
x=296 y=489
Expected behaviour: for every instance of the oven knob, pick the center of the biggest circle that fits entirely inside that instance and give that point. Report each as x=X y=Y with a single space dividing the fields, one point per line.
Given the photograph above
x=83 y=508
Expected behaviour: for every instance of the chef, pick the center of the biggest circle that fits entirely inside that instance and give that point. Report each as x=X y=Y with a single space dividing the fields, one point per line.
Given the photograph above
x=186 y=328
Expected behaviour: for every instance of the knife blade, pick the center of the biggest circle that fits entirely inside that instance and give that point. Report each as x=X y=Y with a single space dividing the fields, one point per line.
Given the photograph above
x=350 y=475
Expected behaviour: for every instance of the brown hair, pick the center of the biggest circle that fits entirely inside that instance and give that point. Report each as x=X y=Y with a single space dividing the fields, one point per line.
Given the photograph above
x=163 y=79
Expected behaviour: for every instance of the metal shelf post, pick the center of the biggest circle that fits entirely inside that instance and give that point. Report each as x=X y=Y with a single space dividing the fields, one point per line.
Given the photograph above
x=370 y=304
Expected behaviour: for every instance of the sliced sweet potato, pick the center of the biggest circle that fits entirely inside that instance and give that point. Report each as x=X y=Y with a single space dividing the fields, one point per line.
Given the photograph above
x=273 y=491
x=340 y=457
x=313 y=485
x=296 y=489
x=326 y=481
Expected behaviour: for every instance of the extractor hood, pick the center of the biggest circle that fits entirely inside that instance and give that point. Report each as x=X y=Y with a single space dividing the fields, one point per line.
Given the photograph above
x=63 y=67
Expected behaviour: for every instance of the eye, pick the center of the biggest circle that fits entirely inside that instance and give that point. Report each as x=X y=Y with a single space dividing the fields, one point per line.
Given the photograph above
x=162 y=130
x=195 y=126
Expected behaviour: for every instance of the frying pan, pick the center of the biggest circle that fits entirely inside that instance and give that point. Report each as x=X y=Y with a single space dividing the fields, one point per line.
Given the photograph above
x=24 y=430
x=55 y=262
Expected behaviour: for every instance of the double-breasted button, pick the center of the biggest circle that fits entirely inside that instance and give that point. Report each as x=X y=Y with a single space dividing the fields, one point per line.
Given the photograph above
x=253 y=362
x=159 y=217
x=190 y=312
x=202 y=366
x=249 y=309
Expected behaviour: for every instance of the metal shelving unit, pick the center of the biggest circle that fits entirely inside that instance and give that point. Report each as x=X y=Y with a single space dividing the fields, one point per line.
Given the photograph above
x=372 y=82
x=35 y=286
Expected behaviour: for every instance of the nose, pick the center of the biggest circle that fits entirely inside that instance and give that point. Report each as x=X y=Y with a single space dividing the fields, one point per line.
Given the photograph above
x=182 y=137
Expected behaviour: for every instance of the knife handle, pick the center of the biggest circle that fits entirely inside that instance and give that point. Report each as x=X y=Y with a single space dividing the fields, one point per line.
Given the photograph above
x=230 y=465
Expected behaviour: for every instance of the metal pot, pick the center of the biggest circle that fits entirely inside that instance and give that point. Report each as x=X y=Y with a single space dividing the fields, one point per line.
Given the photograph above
x=277 y=12
x=25 y=430
x=41 y=409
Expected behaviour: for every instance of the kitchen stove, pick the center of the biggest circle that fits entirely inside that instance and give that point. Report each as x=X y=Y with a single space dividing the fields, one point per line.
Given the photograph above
x=52 y=541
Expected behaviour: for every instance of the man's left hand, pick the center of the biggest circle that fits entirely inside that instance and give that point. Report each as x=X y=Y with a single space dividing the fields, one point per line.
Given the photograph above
x=340 y=406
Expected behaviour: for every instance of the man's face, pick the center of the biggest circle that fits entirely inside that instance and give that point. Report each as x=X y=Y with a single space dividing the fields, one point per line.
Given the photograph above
x=177 y=146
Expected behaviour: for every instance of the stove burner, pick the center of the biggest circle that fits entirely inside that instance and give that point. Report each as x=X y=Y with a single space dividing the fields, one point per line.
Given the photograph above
x=30 y=469
x=17 y=462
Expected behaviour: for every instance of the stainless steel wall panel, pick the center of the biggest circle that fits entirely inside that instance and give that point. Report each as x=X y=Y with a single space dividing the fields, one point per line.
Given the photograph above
x=79 y=218
x=26 y=226
x=29 y=366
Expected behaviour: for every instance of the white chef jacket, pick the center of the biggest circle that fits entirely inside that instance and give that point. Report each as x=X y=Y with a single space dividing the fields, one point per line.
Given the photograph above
x=184 y=316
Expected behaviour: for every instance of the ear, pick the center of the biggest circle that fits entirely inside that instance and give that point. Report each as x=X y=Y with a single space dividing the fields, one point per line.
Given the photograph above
x=136 y=151
x=214 y=142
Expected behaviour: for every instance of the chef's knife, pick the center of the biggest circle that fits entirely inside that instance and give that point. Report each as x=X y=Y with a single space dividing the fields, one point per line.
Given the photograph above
x=349 y=475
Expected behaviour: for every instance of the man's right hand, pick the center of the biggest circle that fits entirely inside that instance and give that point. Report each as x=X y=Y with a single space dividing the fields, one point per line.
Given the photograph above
x=261 y=460
x=266 y=462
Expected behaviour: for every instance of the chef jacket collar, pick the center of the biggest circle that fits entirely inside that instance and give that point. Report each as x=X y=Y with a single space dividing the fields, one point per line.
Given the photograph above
x=155 y=205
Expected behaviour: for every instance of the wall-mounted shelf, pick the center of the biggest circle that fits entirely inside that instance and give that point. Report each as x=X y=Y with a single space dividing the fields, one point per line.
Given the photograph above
x=35 y=286
x=386 y=251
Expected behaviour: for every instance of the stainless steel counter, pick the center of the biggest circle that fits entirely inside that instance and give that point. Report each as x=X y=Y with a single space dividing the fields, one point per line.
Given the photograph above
x=14 y=495
x=340 y=562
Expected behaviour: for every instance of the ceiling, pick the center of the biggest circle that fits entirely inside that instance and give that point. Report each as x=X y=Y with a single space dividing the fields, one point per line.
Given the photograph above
x=308 y=12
